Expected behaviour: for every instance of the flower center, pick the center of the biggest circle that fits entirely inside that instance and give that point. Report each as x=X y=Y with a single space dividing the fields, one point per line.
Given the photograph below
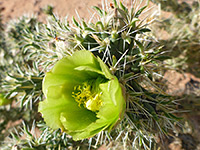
x=87 y=97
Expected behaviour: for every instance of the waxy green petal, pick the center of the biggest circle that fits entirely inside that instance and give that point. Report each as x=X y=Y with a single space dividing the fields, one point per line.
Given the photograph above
x=104 y=69
x=77 y=119
x=51 y=110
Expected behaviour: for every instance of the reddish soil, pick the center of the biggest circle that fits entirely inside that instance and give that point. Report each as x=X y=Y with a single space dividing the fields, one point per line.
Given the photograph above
x=16 y=8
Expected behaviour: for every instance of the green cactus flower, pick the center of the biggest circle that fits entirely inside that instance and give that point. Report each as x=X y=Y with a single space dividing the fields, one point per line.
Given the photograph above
x=3 y=100
x=82 y=96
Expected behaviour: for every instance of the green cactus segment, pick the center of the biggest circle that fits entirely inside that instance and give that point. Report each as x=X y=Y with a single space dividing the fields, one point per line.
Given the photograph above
x=117 y=31
x=82 y=96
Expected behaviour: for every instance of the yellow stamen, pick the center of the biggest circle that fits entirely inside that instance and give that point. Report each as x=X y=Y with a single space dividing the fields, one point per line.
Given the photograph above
x=83 y=95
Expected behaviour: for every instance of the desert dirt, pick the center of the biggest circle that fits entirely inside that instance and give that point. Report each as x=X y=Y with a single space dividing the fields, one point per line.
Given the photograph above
x=15 y=8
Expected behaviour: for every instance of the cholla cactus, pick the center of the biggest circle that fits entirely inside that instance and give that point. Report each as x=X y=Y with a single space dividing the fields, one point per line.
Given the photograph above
x=126 y=59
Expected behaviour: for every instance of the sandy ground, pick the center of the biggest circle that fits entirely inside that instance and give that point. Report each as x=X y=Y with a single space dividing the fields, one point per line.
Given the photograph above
x=16 y=8
x=11 y=9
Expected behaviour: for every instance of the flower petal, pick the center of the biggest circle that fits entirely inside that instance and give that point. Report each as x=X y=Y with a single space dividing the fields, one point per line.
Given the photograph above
x=77 y=119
